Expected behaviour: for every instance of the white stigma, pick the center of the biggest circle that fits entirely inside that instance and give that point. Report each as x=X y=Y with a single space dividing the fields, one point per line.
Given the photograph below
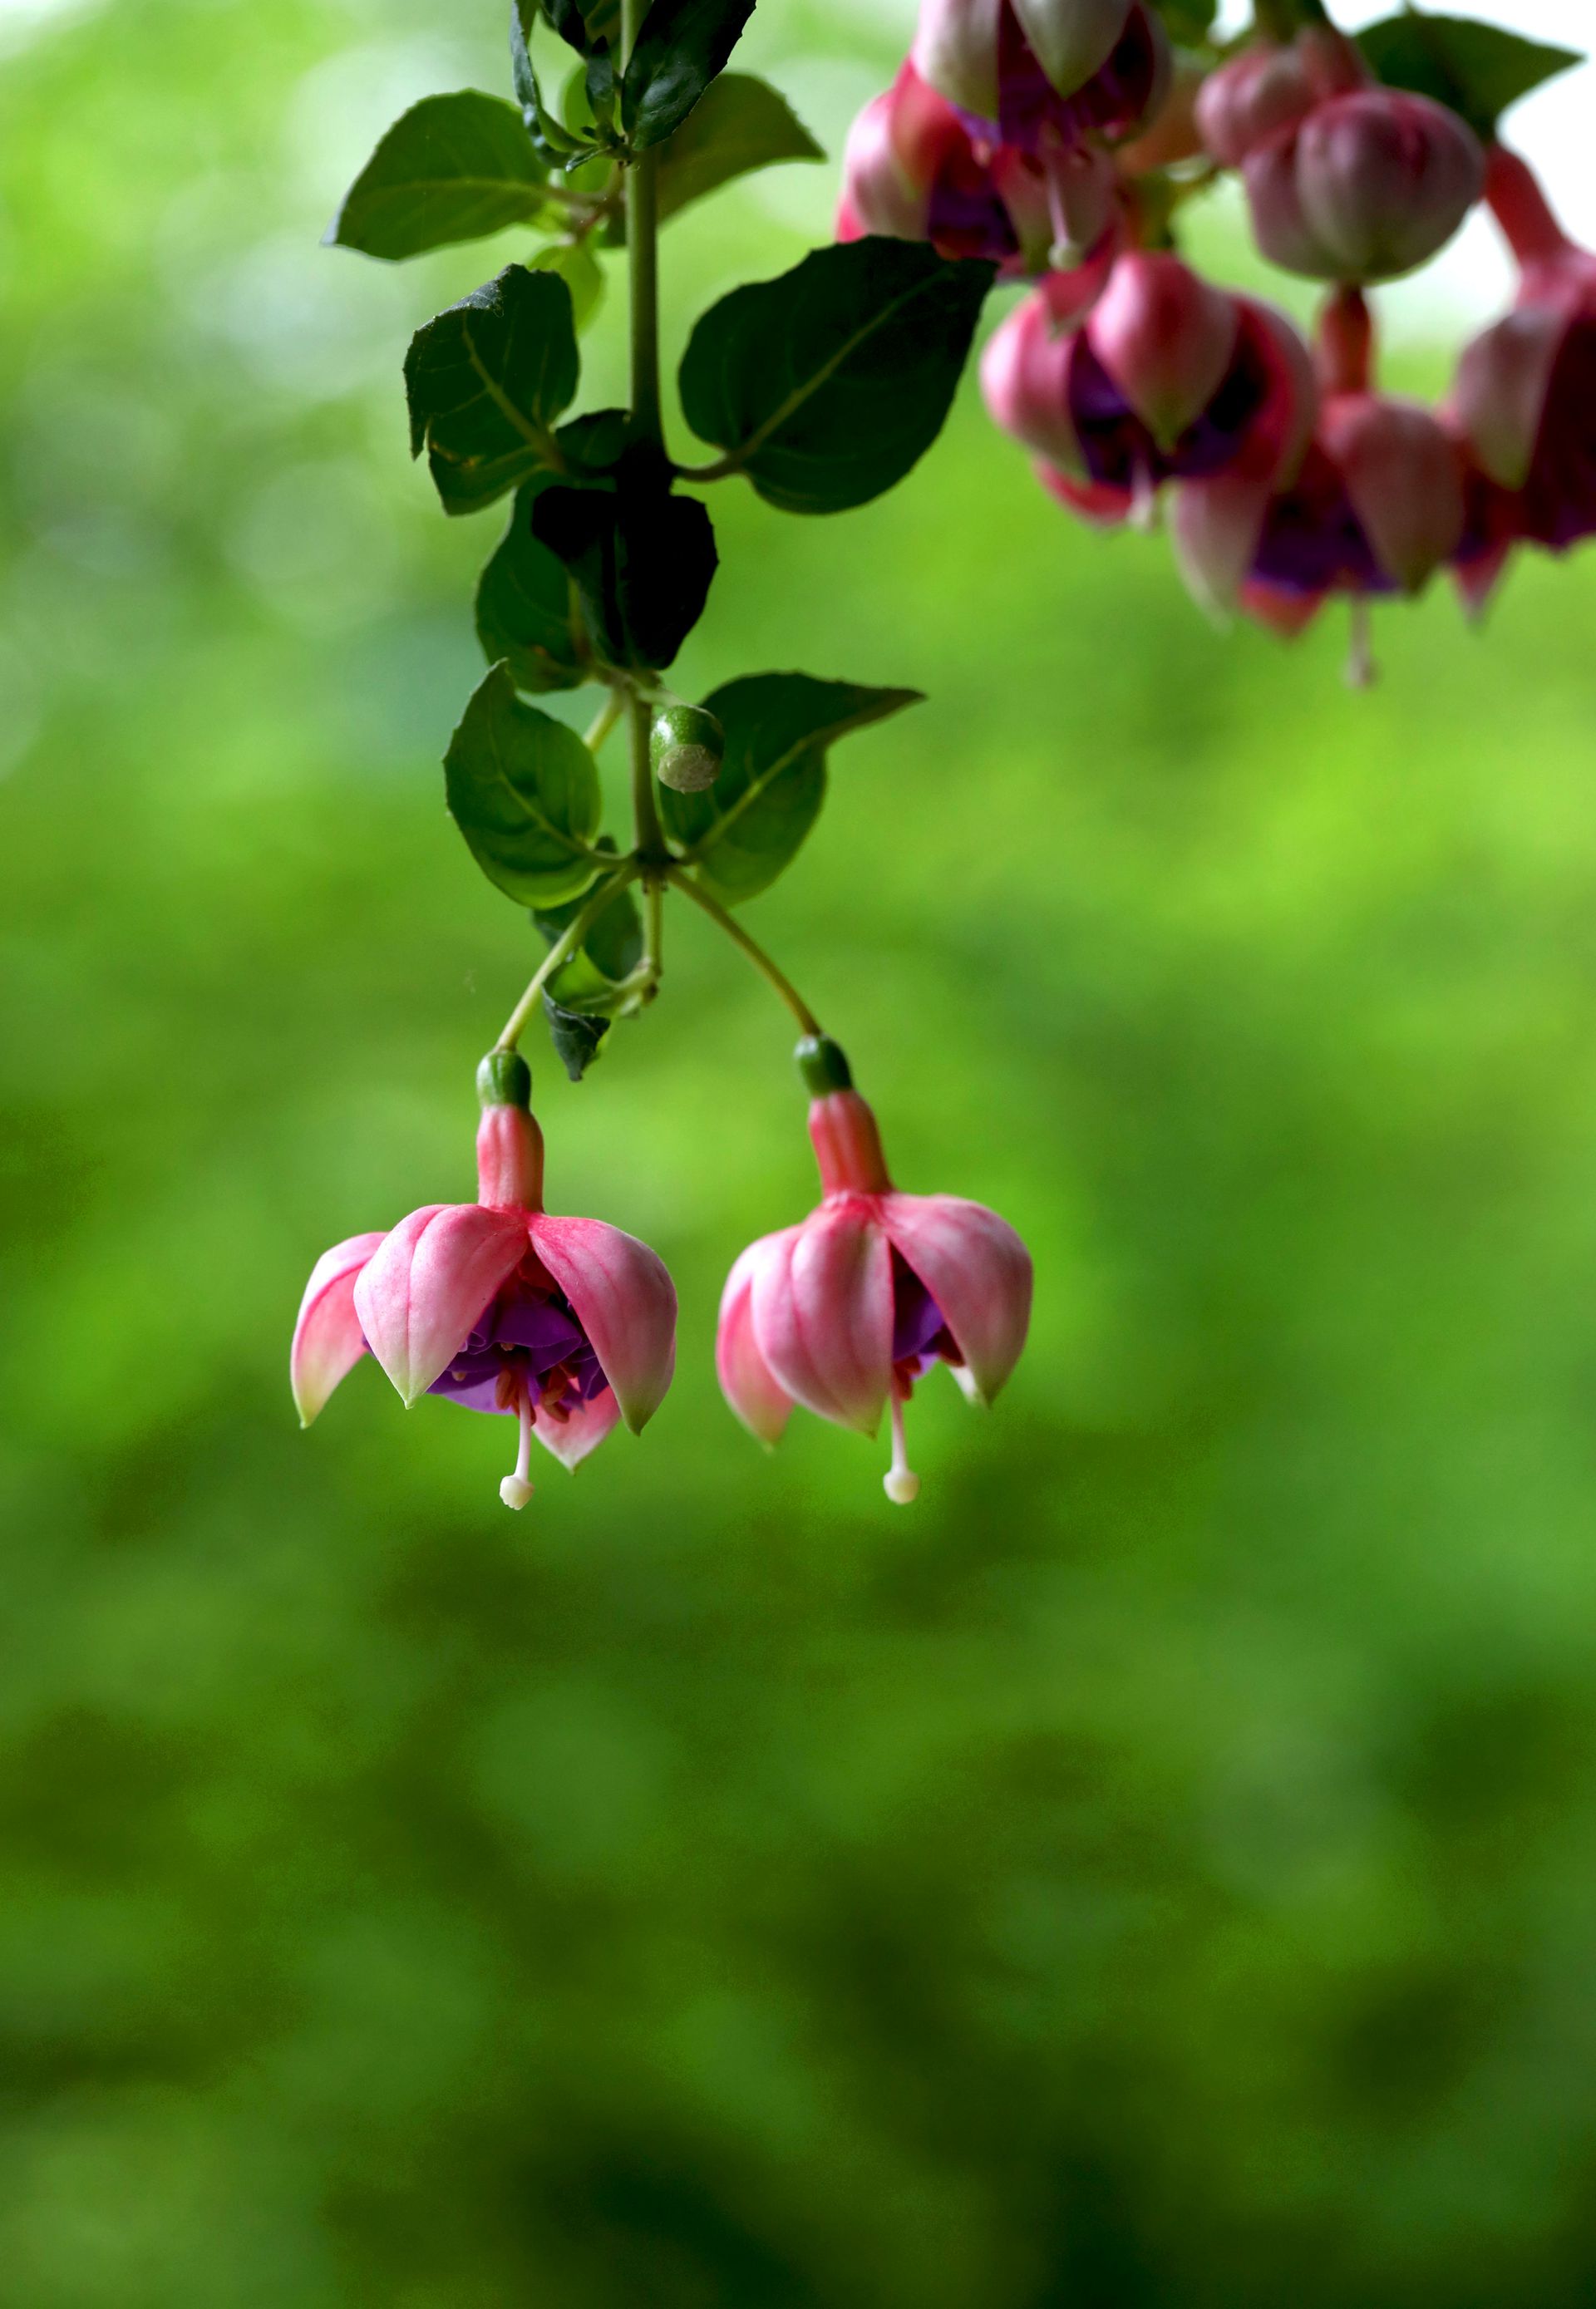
x=1144 y=500
x=517 y=1489
x=900 y=1482
x=1361 y=668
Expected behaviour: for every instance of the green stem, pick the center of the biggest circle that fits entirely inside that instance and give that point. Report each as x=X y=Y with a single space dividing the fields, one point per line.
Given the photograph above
x=642 y=250
x=560 y=953
x=604 y=722
x=755 y=953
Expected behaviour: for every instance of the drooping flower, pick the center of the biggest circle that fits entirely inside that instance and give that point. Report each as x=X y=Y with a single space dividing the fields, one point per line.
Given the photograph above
x=1168 y=378
x=1042 y=74
x=565 y=1324
x=1376 y=507
x=845 y=1311
x=1367 y=187
x=1525 y=392
x=1270 y=88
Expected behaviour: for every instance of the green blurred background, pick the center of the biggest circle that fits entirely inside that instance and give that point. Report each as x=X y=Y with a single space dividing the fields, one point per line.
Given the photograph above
x=1157 y=1870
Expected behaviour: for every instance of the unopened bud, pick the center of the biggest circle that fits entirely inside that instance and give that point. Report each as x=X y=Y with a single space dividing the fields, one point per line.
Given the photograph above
x=1369 y=186
x=687 y=749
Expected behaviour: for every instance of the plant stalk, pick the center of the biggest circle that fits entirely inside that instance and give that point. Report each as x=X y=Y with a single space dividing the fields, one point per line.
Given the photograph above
x=755 y=952
x=561 y=951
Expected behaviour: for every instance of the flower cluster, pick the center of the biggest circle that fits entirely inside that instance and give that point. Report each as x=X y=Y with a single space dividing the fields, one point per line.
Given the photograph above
x=1060 y=139
x=567 y=1325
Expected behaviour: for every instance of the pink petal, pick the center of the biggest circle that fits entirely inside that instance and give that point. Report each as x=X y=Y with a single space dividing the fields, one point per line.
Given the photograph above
x=1405 y=478
x=956 y=50
x=424 y=1290
x=1503 y=380
x=822 y=1308
x=571 y=1439
x=978 y=1270
x=747 y=1381
x=1215 y=528
x=624 y=1300
x=328 y=1340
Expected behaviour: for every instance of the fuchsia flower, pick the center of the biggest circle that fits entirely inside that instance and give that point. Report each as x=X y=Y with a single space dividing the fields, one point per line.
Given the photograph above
x=565 y=1324
x=913 y=171
x=1377 y=507
x=1168 y=378
x=1525 y=393
x=844 y=1313
x=1271 y=88
x=1368 y=185
x=1040 y=73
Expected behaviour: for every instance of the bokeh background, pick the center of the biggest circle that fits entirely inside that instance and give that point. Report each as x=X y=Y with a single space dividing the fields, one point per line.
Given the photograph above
x=1160 y=1869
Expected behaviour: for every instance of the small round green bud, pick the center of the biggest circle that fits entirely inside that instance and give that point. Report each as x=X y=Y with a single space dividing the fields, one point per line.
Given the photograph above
x=823 y=1066
x=504 y=1078
x=687 y=747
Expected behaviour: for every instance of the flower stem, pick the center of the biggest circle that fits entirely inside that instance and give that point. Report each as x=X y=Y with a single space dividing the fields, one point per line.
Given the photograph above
x=604 y=722
x=561 y=951
x=755 y=953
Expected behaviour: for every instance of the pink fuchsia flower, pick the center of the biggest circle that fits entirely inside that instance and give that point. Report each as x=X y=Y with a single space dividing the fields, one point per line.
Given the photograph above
x=1042 y=74
x=1368 y=186
x=913 y=170
x=844 y=1313
x=1168 y=378
x=1377 y=507
x=1270 y=88
x=564 y=1325
x=1525 y=393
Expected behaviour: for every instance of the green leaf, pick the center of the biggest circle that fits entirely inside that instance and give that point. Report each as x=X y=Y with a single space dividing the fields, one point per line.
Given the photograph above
x=642 y=560
x=486 y=381
x=453 y=169
x=751 y=823
x=527 y=614
x=576 y=1036
x=523 y=790
x=681 y=48
x=741 y=124
x=583 y=23
x=827 y=385
x=1480 y=70
x=551 y=139
x=574 y=263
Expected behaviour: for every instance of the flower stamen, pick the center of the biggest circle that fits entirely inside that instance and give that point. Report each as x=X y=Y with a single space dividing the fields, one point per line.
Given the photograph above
x=517 y=1489
x=900 y=1482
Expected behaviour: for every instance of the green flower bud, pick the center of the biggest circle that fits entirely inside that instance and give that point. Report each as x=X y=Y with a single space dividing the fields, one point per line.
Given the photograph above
x=687 y=749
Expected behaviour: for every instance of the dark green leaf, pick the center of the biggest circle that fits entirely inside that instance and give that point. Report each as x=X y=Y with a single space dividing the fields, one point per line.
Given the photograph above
x=600 y=87
x=642 y=560
x=681 y=48
x=825 y=386
x=740 y=125
x=523 y=790
x=751 y=823
x=553 y=141
x=593 y=445
x=486 y=381
x=453 y=168
x=576 y=265
x=576 y=1036
x=527 y=613
x=583 y=23
x=1478 y=69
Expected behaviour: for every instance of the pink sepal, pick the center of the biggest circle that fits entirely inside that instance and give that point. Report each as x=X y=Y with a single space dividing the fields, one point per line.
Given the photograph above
x=747 y=1381
x=1284 y=612
x=1101 y=503
x=1503 y=380
x=570 y=1439
x=884 y=190
x=1025 y=376
x=328 y=1341
x=1166 y=337
x=420 y=1295
x=1404 y=478
x=1215 y=527
x=822 y=1312
x=1071 y=39
x=978 y=1270
x=624 y=1300
x=956 y=50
